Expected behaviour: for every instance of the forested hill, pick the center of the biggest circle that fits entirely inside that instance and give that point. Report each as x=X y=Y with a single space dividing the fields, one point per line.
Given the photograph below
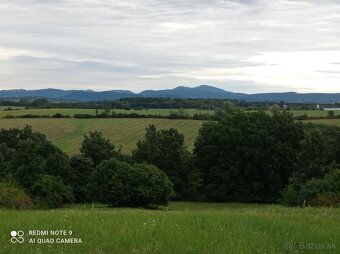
x=202 y=92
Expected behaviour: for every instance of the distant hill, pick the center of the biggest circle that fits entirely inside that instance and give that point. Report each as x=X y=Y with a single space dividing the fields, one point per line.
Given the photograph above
x=198 y=92
x=202 y=92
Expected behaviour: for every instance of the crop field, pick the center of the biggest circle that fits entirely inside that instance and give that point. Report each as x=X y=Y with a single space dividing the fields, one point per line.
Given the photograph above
x=190 y=112
x=330 y=122
x=14 y=107
x=183 y=228
x=314 y=113
x=73 y=111
x=123 y=132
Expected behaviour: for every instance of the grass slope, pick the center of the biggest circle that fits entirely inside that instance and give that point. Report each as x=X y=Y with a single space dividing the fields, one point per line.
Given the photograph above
x=123 y=132
x=184 y=228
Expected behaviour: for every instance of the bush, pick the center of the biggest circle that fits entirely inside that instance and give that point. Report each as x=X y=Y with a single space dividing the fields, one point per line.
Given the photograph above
x=13 y=197
x=123 y=184
x=315 y=192
x=50 y=192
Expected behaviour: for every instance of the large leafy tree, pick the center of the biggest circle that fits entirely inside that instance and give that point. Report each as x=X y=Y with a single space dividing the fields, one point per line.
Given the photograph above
x=97 y=148
x=26 y=156
x=82 y=168
x=165 y=149
x=247 y=156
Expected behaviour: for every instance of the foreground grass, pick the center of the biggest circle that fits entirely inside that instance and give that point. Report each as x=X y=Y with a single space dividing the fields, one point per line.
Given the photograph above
x=67 y=134
x=184 y=228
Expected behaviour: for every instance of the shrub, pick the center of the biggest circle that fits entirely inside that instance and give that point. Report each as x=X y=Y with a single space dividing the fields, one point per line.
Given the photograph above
x=50 y=192
x=315 y=192
x=123 y=184
x=14 y=197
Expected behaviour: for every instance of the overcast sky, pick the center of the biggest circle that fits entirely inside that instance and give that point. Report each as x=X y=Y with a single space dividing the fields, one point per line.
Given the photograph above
x=238 y=45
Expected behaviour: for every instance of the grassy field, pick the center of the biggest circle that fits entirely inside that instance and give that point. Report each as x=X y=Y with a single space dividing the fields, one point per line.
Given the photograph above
x=190 y=112
x=313 y=112
x=13 y=107
x=73 y=111
x=330 y=122
x=184 y=228
x=123 y=132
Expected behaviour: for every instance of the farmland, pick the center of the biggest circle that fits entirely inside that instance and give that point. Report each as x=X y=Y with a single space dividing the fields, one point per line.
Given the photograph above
x=124 y=133
x=190 y=112
x=73 y=111
x=329 y=122
x=184 y=228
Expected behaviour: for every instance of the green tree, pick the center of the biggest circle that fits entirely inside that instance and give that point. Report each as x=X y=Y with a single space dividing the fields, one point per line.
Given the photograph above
x=97 y=148
x=82 y=169
x=26 y=155
x=123 y=184
x=165 y=149
x=330 y=114
x=247 y=156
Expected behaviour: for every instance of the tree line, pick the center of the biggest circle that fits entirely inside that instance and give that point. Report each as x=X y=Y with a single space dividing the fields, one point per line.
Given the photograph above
x=242 y=157
x=157 y=103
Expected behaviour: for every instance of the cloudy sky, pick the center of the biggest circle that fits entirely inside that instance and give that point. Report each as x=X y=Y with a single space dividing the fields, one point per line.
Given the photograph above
x=238 y=45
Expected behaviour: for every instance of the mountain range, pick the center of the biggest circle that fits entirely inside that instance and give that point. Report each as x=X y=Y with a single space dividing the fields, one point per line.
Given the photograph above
x=199 y=92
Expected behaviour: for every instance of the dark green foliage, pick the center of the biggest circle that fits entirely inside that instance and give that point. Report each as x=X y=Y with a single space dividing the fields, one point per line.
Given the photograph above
x=50 y=192
x=97 y=148
x=316 y=191
x=247 y=156
x=330 y=114
x=25 y=156
x=190 y=180
x=315 y=182
x=123 y=184
x=318 y=152
x=82 y=168
x=165 y=149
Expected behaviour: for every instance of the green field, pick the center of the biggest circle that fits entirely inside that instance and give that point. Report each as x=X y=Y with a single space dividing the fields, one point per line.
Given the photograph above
x=13 y=107
x=184 y=228
x=314 y=113
x=330 y=122
x=163 y=112
x=123 y=132
x=73 y=111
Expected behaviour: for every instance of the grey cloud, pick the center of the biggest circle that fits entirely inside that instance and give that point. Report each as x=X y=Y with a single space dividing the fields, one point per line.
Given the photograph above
x=117 y=42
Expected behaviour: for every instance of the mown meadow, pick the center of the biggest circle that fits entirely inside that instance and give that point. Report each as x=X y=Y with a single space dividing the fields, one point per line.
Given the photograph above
x=73 y=111
x=163 y=112
x=67 y=134
x=182 y=228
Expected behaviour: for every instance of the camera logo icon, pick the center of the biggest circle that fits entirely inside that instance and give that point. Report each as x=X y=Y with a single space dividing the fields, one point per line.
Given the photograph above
x=17 y=236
